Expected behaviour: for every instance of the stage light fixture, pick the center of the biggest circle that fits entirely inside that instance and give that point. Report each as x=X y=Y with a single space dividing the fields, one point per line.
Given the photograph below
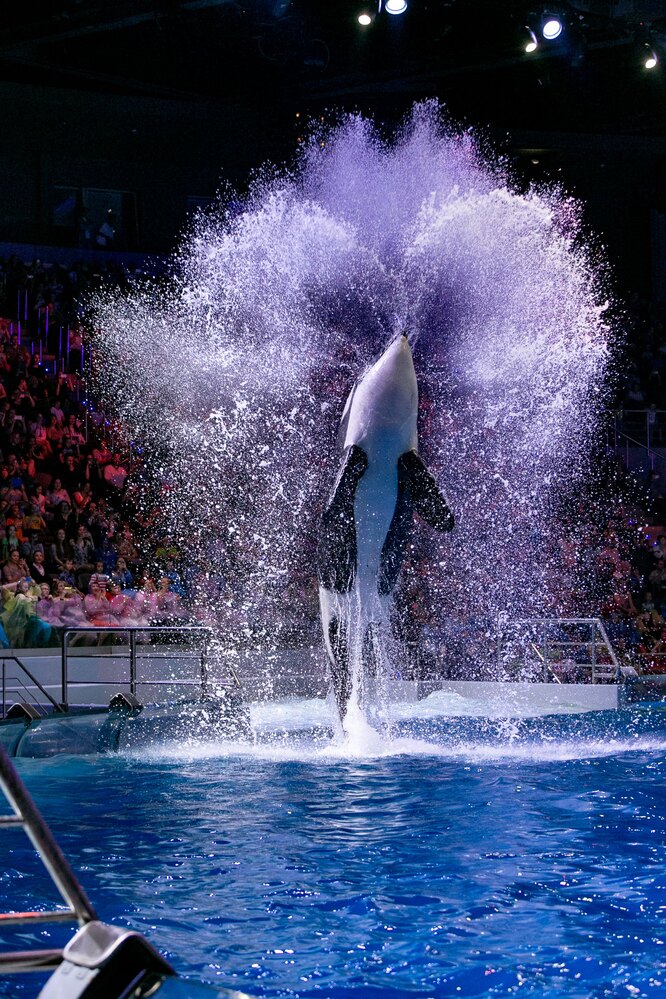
x=650 y=57
x=365 y=19
x=552 y=28
x=532 y=44
x=395 y=6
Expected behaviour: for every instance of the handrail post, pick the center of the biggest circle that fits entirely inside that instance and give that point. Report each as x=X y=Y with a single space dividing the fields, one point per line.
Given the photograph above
x=593 y=657
x=64 y=679
x=647 y=428
x=4 y=688
x=204 y=668
x=132 y=652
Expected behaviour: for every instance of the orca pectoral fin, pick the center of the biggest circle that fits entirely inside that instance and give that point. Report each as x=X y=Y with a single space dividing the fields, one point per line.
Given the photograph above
x=336 y=550
x=427 y=499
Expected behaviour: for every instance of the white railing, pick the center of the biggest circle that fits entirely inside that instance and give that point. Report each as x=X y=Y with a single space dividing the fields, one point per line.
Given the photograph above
x=563 y=650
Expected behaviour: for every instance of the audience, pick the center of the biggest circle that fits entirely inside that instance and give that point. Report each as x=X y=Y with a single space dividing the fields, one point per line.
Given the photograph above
x=68 y=553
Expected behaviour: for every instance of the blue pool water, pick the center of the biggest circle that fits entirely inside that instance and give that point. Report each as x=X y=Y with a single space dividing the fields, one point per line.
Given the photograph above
x=497 y=867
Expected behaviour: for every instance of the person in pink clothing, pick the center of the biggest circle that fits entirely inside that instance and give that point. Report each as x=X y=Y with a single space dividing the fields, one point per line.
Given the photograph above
x=146 y=601
x=47 y=607
x=96 y=608
x=72 y=612
x=169 y=607
x=124 y=607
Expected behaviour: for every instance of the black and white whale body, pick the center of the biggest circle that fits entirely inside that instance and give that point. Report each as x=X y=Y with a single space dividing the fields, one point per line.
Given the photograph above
x=366 y=524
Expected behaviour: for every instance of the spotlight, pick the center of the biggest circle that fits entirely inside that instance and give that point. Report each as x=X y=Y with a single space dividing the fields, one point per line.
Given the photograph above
x=532 y=44
x=365 y=19
x=552 y=28
x=395 y=6
x=650 y=58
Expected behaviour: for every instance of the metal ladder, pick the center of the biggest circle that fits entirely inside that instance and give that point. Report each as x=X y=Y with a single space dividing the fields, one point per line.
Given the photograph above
x=78 y=907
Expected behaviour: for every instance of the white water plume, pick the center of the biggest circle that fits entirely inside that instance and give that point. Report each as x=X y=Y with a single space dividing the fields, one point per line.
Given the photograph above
x=233 y=373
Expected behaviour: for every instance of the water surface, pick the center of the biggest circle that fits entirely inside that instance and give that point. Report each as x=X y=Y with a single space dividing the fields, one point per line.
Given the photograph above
x=528 y=864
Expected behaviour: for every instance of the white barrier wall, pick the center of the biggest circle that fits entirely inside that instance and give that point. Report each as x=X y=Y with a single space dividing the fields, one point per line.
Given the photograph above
x=166 y=675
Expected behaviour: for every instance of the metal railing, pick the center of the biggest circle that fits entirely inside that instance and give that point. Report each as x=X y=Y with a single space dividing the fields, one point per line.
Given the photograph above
x=78 y=907
x=560 y=647
x=20 y=689
x=134 y=652
x=642 y=430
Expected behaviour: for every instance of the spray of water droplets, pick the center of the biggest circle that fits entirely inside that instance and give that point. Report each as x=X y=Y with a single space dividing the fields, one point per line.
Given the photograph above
x=233 y=373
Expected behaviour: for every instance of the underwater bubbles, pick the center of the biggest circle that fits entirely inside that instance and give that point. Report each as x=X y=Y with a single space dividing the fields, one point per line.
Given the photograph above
x=233 y=373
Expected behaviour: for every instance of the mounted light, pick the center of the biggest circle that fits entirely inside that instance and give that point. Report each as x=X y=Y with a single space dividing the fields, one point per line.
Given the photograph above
x=395 y=6
x=531 y=45
x=552 y=28
x=365 y=19
x=650 y=59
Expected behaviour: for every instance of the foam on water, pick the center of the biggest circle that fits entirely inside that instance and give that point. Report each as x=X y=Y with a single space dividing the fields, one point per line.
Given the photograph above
x=232 y=375
x=291 y=713
x=309 y=730
x=376 y=747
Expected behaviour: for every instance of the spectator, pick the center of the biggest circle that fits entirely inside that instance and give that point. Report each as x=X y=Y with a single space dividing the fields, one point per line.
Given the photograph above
x=58 y=553
x=59 y=495
x=122 y=574
x=67 y=574
x=99 y=577
x=115 y=474
x=37 y=569
x=14 y=569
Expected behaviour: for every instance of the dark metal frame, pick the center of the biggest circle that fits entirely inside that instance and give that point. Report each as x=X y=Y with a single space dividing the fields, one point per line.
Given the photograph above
x=79 y=908
x=33 y=681
x=132 y=632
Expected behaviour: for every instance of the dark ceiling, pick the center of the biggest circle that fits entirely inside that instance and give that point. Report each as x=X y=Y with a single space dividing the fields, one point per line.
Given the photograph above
x=310 y=54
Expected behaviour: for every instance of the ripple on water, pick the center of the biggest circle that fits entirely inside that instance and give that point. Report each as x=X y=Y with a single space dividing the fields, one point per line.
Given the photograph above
x=486 y=869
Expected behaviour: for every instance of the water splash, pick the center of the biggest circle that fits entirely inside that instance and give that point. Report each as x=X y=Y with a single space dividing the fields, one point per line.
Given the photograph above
x=308 y=730
x=233 y=373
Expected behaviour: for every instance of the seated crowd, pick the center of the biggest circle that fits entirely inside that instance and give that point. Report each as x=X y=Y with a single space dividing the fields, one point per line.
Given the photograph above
x=69 y=556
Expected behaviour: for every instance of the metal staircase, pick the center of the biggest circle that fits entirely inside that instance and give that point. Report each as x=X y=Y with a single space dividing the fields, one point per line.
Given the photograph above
x=18 y=681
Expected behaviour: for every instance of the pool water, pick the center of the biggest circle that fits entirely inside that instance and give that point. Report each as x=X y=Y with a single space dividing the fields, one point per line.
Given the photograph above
x=499 y=866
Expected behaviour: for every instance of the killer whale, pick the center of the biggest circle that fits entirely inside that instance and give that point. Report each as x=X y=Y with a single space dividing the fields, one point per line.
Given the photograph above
x=366 y=523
